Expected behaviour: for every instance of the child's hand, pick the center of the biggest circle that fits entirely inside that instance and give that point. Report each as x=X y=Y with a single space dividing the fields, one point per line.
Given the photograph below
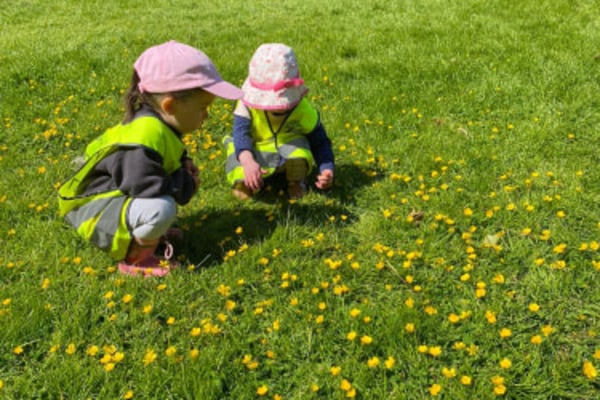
x=325 y=179
x=253 y=173
x=253 y=176
x=191 y=168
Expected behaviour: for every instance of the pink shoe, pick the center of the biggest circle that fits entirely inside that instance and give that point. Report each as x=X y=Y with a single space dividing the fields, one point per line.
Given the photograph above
x=151 y=266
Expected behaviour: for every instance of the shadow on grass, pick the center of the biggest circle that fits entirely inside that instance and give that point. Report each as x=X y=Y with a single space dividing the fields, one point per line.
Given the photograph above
x=207 y=239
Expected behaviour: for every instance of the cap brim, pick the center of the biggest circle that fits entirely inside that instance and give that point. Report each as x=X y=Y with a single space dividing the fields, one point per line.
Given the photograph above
x=225 y=90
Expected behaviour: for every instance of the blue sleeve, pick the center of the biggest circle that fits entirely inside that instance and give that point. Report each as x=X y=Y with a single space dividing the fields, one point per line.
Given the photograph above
x=241 y=135
x=320 y=146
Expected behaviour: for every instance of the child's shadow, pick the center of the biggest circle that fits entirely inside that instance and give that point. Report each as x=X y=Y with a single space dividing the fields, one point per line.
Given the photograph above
x=207 y=237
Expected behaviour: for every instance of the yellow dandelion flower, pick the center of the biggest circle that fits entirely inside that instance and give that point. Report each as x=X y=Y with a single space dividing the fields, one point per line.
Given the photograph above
x=465 y=380
x=435 y=389
x=128 y=395
x=453 y=318
x=71 y=349
x=195 y=332
x=430 y=310
x=505 y=363
x=423 y=348
x=170 y=351
x=109 y=366
x=490 y=316
x=547 y=330
x=224 y=290
x=499 y=390
x=449 y=372
x=560 y=248
x=263 y=261
x=355 y=312
x=118 y=357
x=366 y=340
x=497 y=380
x=460 y=345
x=597 y=354
x=505 y=333
x=409 y=327
x=435 y=351
x=345 y=385
x=335 y=370
x=351 y=335
x=534 y=307
x=390 y=362
x=480 y=292
x=536 y=339
x=230 y=305
x=92 y=350
x=373 y=362
x=262 y=390
x=539 y=261
x=194 y=353
x=149 y=357
x=314 y=388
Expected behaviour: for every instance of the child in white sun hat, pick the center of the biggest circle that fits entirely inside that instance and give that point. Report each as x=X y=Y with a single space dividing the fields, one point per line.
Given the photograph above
x=276 y=129
x=125 y=196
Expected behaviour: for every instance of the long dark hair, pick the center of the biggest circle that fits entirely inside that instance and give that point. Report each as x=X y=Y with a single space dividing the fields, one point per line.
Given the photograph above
x=134 y=99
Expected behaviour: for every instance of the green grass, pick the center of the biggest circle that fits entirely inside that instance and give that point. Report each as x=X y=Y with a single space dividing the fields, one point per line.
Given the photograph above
x=481 y=115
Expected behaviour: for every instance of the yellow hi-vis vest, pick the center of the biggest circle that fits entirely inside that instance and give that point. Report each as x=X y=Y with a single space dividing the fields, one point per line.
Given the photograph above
x=288 y=142
x=100 y=217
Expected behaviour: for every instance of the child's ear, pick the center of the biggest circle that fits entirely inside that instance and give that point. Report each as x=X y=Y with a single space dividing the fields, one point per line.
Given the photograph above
x=168 y=104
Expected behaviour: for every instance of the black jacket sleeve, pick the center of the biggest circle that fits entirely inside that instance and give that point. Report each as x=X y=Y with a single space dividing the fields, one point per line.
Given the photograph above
x=138 y=172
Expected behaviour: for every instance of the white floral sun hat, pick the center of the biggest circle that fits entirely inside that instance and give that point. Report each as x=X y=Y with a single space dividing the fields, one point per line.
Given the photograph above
x=273 y=81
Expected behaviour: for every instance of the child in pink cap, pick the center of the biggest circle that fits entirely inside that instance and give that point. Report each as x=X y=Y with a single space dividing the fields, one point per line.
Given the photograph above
x=124 y=198
x=276 y=129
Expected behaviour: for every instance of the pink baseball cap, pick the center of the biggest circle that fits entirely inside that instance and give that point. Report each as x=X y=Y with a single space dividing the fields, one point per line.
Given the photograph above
x=273 y=81
x=174 y=66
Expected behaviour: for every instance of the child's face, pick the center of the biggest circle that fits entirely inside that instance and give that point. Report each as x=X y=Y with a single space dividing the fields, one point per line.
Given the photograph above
x=191 y=111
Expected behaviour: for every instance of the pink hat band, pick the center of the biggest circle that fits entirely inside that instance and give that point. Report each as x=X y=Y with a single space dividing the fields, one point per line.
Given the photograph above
x=277 y=86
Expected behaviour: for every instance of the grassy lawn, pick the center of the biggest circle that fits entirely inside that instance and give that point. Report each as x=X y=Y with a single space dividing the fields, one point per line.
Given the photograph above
x=457 y=257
